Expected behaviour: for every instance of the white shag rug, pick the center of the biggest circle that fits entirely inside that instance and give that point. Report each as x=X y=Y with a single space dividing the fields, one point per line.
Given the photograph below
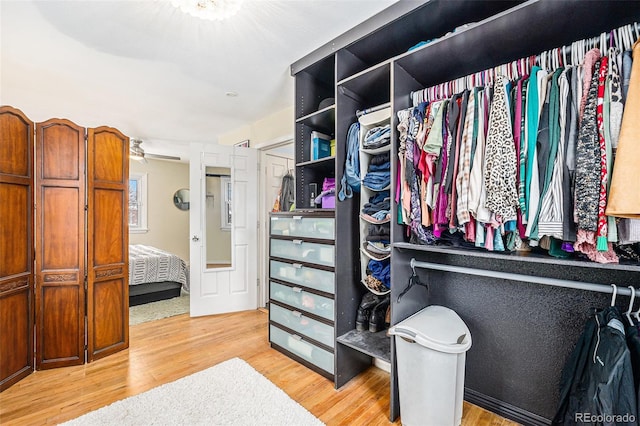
x=157 y=310
x=230 y=393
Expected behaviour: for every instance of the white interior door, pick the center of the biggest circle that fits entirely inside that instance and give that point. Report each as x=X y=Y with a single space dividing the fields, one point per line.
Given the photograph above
x=274 y=167
x=218 y=289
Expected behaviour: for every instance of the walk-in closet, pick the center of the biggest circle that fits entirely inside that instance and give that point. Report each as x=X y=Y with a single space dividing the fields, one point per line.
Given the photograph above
x=525 y=309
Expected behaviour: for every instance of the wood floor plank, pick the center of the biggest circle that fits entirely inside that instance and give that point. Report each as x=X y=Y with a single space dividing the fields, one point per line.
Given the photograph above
x=165 y=350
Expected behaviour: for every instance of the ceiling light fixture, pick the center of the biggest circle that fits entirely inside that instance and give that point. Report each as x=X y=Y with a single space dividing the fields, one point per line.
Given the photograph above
x=213 y=10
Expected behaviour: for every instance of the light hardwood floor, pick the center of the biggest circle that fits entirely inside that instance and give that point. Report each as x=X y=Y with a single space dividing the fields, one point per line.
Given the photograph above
x=164 y=350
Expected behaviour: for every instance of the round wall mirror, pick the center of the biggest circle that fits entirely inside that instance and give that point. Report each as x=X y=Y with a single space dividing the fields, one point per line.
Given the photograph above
x=181 y=199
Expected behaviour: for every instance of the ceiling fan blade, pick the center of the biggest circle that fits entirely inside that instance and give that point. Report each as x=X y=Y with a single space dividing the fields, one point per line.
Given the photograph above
x=161 y=157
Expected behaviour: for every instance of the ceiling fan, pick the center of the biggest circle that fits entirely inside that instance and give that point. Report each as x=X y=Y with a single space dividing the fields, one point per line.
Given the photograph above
x=137 y=153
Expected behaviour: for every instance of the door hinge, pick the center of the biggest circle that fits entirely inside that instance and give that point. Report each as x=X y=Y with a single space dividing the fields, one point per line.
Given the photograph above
x=258 y=282
x=258 y=224
x=86 y=207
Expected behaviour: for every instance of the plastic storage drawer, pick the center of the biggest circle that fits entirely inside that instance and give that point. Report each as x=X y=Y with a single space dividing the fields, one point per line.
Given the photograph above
x=297 y=274
x=305 y=350
x=321 y=254
x=304 y=227
x=300 y=299
x=296 y=321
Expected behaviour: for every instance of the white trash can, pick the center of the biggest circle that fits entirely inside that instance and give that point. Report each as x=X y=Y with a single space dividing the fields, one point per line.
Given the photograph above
x=431 y=347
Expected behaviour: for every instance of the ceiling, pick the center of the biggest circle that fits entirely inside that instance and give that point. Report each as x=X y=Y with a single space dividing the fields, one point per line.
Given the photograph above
x=155 y=73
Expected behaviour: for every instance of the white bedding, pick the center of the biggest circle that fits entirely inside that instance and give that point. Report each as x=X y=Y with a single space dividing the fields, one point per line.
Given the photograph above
x=149 y=265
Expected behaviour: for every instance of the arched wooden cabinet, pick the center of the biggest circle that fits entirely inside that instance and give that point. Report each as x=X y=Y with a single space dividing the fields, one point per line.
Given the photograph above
x=63 y=244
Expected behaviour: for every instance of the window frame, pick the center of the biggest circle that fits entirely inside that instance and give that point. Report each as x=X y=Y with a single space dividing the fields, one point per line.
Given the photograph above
x=226 y=204
x=142 y=228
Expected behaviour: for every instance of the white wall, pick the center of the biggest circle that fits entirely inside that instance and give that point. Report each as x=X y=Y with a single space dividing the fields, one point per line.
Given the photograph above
x=168 y=226
x=274 y=126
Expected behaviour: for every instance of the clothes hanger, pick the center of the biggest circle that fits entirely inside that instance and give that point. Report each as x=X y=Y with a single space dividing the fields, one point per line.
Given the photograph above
x=637 y=314
x=413 y=280
x=633 y=297
x=615 y=292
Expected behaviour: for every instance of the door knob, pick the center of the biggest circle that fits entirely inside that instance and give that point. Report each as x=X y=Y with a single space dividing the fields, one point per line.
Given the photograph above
x=195 y=238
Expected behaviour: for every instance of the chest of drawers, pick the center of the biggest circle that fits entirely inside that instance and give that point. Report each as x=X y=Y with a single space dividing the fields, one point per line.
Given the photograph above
x=302 y=288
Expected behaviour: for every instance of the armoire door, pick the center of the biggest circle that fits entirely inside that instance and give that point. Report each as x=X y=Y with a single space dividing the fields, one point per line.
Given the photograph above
x=16 y=246
x=108 y=242
x=60 y=243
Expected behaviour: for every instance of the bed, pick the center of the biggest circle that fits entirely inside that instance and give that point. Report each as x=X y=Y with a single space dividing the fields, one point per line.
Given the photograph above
x=155 y=275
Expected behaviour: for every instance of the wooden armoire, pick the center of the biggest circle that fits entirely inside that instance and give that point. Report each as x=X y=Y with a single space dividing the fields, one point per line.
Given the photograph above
x=63 y=244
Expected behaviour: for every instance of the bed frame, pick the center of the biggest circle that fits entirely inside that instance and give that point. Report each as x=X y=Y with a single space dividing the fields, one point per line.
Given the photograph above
x=152 y=292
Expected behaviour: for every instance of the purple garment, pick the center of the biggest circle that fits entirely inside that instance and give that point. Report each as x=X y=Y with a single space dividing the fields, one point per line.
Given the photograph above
x=440 y=214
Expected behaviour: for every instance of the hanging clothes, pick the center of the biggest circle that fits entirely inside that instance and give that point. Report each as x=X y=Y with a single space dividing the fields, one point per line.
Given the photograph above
x=521 y=163
x=287 y=192
x=598 y=377
x=624 y=200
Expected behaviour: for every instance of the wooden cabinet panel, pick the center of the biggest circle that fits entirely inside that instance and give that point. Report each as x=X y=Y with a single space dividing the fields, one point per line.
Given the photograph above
x=108 y=242
x=16 y=246
x=17 y=143
x=62 y=157
x=108 y=300
x=16 y=354
x=60 y=330
x=15 y=228
x=108 y=246
x=60 y=236
x=109 y=158
x=62 y=228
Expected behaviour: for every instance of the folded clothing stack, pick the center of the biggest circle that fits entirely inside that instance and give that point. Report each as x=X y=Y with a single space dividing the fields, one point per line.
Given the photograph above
x=377 y=137
x=379 y=172
x=378 y=275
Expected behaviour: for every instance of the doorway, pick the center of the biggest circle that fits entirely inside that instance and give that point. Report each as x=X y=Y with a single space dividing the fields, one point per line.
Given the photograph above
x=276 y=160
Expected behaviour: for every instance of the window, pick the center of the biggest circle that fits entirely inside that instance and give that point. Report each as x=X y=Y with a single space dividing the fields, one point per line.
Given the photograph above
x=138 y=203
x=226 y=204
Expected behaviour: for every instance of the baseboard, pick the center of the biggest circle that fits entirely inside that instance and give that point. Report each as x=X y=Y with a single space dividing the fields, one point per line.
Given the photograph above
x=504 y=409
x=382 y=365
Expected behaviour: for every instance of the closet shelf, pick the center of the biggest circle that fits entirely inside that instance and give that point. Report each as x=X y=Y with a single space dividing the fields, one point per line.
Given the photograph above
x=376 y=345
x=322 y=161
x=517 y=257
x=379 y=293
x=374 y=151
x=375 y=222
x=370 y=256
x=322 y=119
x=386 y=188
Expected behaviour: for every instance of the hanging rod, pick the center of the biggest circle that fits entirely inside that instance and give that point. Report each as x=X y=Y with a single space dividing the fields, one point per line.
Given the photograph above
x=601 y=288
x=608 y=37
x=372 y=109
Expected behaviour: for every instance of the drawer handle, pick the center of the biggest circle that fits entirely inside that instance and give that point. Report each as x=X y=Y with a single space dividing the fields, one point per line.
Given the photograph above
x=295 y=336
x=297 y=217
x=297 y=265
x=296 y=289
x=299 y=242
x=296 y=314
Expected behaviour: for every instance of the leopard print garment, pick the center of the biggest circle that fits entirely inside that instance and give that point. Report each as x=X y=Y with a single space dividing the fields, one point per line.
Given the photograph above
x=500 y=157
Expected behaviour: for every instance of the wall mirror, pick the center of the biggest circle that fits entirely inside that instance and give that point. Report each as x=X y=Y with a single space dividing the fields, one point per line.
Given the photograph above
x=218 y=217
x=181 y=199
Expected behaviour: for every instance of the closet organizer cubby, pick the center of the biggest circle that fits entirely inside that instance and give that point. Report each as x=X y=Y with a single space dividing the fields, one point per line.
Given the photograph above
x=522 y=332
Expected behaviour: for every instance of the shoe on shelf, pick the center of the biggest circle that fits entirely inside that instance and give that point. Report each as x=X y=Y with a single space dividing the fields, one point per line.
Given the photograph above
x=378 y=316
x=369 y=301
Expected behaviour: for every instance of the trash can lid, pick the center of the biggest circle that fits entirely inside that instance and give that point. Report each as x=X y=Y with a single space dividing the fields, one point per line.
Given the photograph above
x=435 y=327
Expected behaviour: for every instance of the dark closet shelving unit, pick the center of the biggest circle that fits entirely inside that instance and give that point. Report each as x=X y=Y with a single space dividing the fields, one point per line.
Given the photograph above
x=513 y=367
